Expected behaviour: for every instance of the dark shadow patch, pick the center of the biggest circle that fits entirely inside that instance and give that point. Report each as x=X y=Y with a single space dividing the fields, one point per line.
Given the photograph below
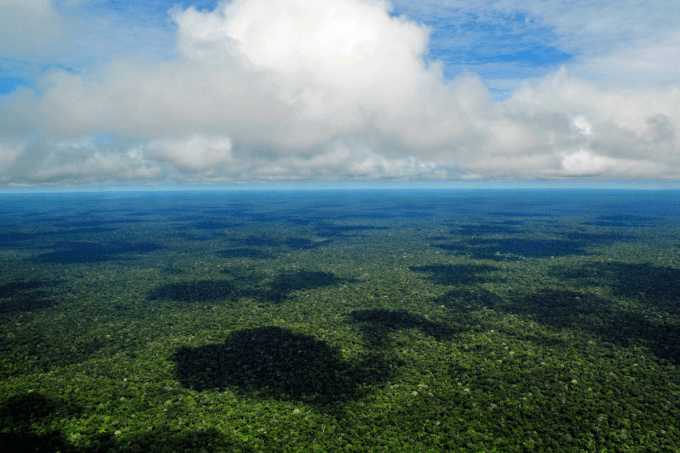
x=212 y=225
x=299 y=221
x=478 y=230
x=511 y=248
x=571 y=310
x=273 y=362
x=623 y=220
x=245 y=285
x=371 y=215
x=197 y=236
x=90 y=226
x=265 y=218
x=31 y=352
x=557 y=308
x=519 y=214
x=495 y=249
x=92 y=252
x=137 y=247
x=451 y=247
x=599 y=317
x=246 y=280
x=446 y=274
x=286 y=283
x=27 y=295
x=85 y=230
x=378 y=324
x=25 y=418
x=236 y=213
x=415 y=214
x=209 y=439
x=172 y=271
x=245 y=252
x=9 y=240
x=411 y=206
x=304 y=244
x=656 y=286
x=598 y=238
x=254 y=241
x=82 y=223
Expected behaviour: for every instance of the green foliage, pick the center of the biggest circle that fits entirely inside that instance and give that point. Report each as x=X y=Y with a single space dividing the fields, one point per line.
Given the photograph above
x=321 y=332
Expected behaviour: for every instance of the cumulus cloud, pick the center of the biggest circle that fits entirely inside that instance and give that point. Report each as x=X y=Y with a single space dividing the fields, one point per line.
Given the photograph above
x=194 y=153
x=26 y=26
x=271 y=90
x=583 y=130
x=82 y=161
x=9 y=153
x=641 y=63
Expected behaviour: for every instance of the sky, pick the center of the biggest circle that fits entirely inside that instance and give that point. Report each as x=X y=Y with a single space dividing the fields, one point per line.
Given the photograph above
x=205 y=93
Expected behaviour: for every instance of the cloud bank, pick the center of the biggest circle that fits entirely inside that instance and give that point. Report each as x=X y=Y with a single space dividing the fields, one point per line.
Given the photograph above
x=324 y=90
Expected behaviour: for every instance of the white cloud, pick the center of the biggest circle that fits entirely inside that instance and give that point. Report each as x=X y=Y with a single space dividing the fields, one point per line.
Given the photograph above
x=324 y=83
x=357 y=161
x=28 y=25
x=39 y=34
x=337 y=63
x=586 y=163
x=82 y=161
x=507 y=137
x=158 y=98
x=628 y=108
x=193 y=153
x=331 y=90
x=644 y=63
x=37 y=31
x=583 y=125
x=578 y=129
x=9 y=152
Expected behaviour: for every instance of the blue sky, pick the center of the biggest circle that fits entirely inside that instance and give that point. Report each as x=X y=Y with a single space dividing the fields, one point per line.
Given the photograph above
x=496 y=45
x=106 y=92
